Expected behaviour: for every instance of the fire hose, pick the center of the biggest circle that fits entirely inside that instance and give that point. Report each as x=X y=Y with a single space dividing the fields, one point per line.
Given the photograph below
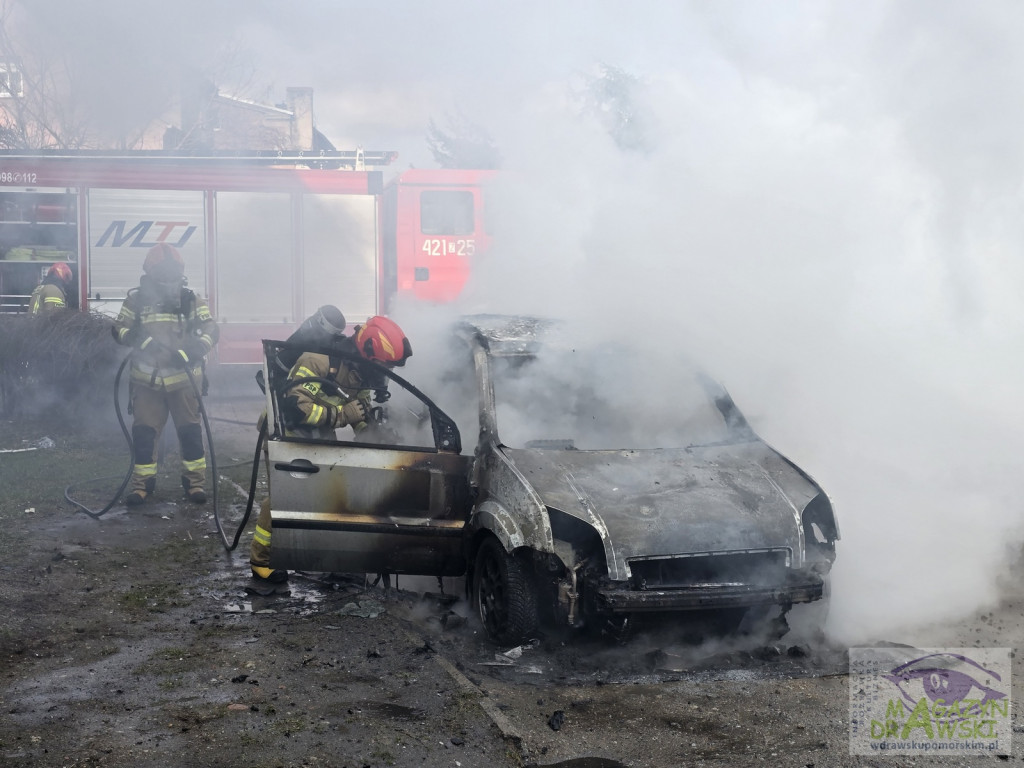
x=376 y=418
x=96 y=515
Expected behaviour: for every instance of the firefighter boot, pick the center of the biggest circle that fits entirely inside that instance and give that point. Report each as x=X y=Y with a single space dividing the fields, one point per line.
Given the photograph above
x=141 y=493
x=195 y=493
x=259 y=552
x=269 y=574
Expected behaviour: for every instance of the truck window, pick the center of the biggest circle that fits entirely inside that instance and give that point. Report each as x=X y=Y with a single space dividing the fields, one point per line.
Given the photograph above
x=446 y=213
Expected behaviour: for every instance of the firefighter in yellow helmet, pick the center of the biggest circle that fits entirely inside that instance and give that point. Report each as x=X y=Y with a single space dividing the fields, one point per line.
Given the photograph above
x=309 y=409
x=51 y=294
x=171 y=331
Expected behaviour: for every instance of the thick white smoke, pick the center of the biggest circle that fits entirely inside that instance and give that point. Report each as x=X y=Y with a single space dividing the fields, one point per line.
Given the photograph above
x=824 y=210
x=838 y=243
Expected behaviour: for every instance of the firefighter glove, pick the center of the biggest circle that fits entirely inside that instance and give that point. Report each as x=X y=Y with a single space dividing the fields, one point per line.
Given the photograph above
x=352 y=412
x=194 y=350
x=130 y=338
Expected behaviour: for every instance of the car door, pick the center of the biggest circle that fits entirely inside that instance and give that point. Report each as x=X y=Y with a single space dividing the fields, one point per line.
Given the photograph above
x=392 y=499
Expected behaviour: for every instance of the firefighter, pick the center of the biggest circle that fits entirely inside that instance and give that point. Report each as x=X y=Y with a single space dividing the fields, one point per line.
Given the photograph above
x=311 y=409
x=52 y=293
x=171 y=331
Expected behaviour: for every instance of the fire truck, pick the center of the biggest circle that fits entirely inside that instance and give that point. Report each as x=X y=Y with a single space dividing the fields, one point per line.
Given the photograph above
x=267 y=237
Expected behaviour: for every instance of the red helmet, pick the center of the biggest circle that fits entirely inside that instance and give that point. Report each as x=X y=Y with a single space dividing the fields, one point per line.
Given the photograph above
x=382 y=340
x=163 y=260
x=61 y=271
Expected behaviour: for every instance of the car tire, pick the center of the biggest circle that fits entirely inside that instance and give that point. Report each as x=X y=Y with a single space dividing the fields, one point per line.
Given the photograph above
x=504 y=595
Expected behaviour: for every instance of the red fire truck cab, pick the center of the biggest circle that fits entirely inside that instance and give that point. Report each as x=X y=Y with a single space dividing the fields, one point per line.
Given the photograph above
x=266 y=237
x=432 y=227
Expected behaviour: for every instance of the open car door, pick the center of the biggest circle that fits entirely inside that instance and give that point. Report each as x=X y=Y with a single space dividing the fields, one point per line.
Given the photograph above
x=392 y=499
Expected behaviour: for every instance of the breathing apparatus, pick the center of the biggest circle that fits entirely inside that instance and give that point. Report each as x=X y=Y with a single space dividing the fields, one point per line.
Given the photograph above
x=324 y=328
x=379 y=340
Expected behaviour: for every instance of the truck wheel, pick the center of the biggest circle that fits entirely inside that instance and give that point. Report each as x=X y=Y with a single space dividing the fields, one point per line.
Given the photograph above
x=504 y=595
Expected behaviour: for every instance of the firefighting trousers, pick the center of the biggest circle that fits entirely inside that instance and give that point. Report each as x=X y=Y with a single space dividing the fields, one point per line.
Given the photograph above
x=151 y=408
x=259 y=550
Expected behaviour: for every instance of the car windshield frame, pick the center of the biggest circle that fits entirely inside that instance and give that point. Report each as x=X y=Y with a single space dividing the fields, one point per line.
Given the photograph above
x=445 y=431
x=497 y=342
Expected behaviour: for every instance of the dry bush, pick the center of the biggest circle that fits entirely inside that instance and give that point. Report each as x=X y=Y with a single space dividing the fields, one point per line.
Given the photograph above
x=56 y=366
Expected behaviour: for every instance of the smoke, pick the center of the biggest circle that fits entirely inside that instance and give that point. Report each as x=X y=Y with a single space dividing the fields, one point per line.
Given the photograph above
x=823 y=209
x=830 y=228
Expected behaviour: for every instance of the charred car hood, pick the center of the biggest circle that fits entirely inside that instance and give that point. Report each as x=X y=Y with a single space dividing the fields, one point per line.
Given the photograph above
x=650 y=503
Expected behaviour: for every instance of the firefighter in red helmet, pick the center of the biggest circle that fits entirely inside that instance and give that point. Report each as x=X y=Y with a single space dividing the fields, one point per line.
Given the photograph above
x=309 y=409
x=171 y=331
x=382 y=340
x=52 y=293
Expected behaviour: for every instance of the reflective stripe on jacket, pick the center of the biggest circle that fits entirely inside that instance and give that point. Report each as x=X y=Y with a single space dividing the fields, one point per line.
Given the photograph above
x=189 y=325
x=310 y=408
x=46 y=298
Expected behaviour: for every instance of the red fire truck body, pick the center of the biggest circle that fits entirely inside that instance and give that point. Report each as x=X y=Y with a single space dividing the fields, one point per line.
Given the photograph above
x=266 y=237
x=432 y=228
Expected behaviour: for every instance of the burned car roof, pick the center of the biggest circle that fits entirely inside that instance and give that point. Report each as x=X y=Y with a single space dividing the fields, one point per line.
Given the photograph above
x=507 y=335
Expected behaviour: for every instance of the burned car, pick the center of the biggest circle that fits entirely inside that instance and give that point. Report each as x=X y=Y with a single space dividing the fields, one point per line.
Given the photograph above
x=593 y=493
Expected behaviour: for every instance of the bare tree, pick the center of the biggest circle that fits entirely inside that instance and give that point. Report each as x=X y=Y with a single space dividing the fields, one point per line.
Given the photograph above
x=37 y=104
x=462 y=144
x=81 y=80
x=613 y=96
x=61 y=92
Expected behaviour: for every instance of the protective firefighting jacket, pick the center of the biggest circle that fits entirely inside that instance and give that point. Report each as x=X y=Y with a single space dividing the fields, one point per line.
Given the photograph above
x=309 y=406
x=47 y=297
x=167 y=336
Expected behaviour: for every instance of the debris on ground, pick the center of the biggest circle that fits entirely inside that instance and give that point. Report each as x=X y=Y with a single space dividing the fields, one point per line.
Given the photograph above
x=366 y=609
x=42 y=444
x=265 y=589
x=511 y=656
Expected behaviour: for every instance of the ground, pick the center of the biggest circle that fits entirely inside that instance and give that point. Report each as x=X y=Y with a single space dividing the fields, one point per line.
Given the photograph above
x=129 y=639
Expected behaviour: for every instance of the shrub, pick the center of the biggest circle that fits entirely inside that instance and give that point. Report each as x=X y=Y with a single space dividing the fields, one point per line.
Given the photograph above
x=58 y=365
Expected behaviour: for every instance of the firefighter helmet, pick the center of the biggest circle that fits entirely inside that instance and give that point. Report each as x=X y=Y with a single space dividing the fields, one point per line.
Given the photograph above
x=163 y=262
x=382 y=340
x=60 y=271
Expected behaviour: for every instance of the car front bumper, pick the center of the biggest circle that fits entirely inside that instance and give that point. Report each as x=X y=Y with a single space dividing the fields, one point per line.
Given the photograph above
x=803 y=587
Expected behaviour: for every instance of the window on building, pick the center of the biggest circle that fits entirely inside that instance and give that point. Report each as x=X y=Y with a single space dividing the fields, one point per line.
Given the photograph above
x=11 y=81
x=446 y=213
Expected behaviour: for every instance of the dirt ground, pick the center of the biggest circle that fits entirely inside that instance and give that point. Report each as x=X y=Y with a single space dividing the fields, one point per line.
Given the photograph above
x=130 y=640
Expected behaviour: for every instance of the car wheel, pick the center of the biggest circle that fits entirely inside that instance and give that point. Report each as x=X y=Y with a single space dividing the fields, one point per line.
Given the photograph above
x=504 y=595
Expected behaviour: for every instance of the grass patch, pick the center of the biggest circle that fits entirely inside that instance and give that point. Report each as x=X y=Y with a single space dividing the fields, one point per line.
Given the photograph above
x=287 y=726
x=154 y=598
